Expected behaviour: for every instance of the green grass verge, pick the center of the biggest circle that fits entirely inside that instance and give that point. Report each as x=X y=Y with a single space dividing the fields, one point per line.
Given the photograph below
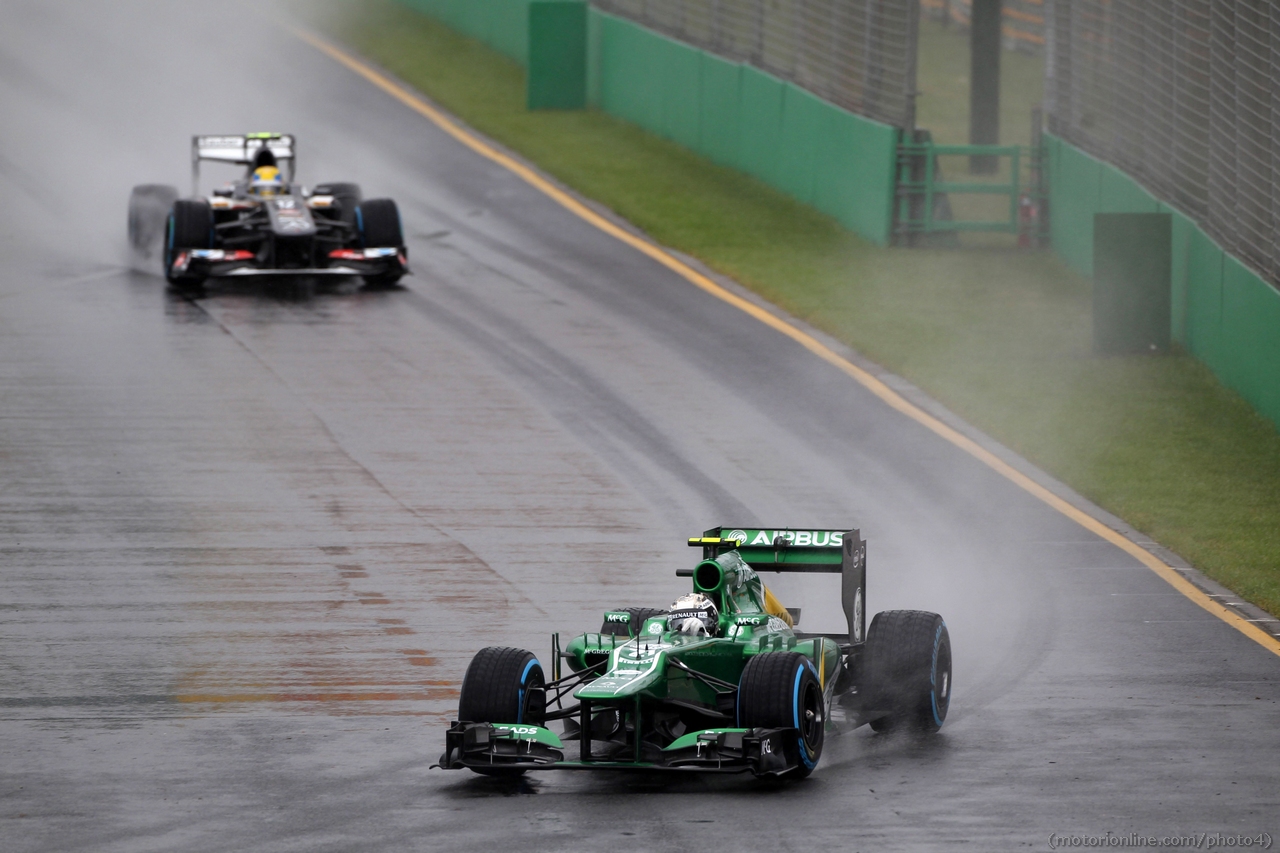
x=1000 y=337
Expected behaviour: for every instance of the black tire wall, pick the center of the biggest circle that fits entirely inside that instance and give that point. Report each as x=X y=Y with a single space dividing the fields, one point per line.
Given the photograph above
x=776 y=690
x=907 y=670
x=497 y=687
x=192 y=224
x=379 y=223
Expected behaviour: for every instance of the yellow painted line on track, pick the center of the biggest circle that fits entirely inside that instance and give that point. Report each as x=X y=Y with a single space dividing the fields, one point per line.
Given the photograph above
x=821 y=350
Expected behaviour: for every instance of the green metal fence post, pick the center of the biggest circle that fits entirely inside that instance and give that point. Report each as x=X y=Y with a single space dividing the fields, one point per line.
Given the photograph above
x=928 y=187
x=1015 y=178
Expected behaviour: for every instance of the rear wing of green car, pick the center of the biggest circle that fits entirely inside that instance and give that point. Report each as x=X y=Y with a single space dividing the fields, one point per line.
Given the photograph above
x=840 y=552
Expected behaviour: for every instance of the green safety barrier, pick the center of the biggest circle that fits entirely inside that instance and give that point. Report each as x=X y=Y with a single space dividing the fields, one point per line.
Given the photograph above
x=739 y=116
x=1225 y=314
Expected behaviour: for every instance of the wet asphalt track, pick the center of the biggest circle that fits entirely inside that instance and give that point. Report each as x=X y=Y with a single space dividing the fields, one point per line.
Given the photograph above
x=248 y=544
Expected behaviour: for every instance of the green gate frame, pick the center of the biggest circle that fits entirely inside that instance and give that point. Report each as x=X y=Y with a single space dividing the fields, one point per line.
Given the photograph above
x=919 y=188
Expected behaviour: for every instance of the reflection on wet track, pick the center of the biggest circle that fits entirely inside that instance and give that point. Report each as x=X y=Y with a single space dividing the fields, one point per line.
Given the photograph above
x=249 y=539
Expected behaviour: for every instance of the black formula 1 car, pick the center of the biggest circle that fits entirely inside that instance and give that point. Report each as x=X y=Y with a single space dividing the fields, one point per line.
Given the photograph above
x=723 y=682
x=265 y=224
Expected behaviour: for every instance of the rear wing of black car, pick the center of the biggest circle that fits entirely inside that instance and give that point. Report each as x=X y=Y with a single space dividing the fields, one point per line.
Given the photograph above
x=244 y=150
x=840 y=552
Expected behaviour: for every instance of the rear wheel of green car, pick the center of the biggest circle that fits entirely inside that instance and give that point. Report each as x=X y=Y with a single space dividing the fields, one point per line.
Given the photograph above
x=780 y=690
x=907 y=670
x=503 y=685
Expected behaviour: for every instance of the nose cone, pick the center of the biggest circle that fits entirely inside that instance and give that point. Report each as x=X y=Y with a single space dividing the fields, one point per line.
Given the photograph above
x=634 y=667
x=290 y=217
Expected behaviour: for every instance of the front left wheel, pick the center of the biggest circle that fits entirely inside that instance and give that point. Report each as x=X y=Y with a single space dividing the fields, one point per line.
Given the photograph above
x=780 y=690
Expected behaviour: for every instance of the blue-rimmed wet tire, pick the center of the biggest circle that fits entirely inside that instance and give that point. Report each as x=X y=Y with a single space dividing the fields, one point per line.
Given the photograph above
x=780 y=690
x=190 y=226
x=907 y=670
x=503 y=685
x=378 y=226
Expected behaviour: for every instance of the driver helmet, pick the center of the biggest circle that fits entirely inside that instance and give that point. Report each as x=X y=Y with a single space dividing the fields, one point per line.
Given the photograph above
x=265 y=182
x=694 y=614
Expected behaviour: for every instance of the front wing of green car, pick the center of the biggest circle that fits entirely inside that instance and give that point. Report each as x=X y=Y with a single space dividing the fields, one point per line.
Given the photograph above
x=499 y=747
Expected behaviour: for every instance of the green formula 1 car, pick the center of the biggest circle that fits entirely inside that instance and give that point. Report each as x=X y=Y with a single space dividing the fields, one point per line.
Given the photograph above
x=723 y=681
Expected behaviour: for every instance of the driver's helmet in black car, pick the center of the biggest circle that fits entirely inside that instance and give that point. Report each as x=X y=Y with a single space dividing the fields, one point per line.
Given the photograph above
x=266 y=182
x=694 y=614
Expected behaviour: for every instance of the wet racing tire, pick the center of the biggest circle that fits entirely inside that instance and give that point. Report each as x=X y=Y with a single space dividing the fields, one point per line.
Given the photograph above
x=780 y=690
x=378 y=225
x=503 y=685
x=639 y=615
x=190 y=226
x=149 y=204
x=907 y=670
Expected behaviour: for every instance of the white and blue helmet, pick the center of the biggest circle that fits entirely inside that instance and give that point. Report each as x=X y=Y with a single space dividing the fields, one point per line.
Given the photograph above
x=694 y=614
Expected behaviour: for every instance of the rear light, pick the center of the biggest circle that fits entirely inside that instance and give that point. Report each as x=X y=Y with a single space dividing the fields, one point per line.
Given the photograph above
x=240 y=255
x=347 y=255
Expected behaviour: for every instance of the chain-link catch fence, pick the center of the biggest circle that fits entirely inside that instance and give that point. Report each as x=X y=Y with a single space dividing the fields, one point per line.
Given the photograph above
x=857 y=54
x=1022 y=21
x=1184 y=95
